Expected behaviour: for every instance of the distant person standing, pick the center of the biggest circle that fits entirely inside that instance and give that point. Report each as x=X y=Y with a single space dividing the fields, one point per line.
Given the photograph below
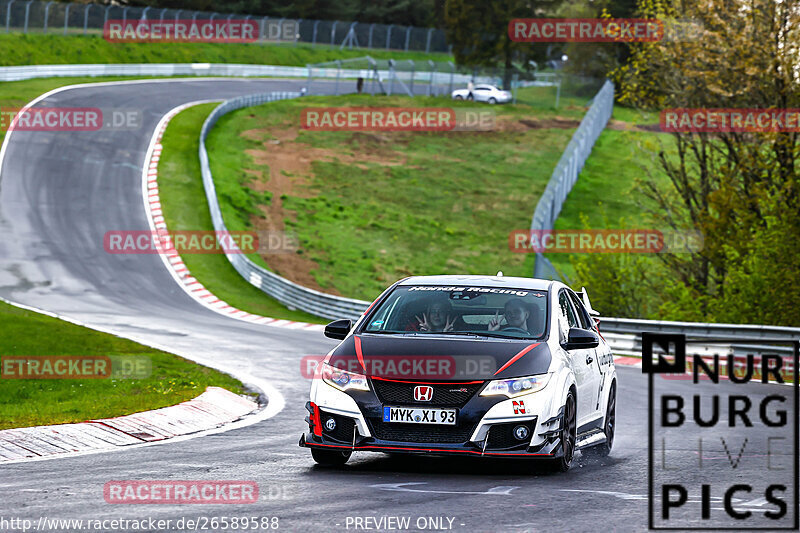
x=360 y=85
x=470 y=87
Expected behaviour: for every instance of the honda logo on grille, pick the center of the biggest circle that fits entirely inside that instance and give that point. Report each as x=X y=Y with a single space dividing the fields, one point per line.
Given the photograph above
x=423 y=393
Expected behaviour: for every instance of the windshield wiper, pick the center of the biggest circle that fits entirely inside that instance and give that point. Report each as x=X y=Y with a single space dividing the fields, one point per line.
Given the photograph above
x=474 y=334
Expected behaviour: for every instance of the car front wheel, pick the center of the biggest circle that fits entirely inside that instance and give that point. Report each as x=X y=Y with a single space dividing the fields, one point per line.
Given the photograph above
x=610 y=425
x=330 y=457
x=459 y=97
x=568 y=435
x=492 y=100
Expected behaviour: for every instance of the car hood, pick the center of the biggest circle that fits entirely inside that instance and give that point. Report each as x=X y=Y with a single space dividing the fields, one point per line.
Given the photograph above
x=442 y=358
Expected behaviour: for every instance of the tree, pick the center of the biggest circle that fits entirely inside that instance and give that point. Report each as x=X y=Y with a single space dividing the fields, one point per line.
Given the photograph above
x=734 y=187
x=478 y=32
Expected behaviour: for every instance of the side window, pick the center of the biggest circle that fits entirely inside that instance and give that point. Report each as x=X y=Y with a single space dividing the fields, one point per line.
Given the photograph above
x=583 y=317
x=567 y=319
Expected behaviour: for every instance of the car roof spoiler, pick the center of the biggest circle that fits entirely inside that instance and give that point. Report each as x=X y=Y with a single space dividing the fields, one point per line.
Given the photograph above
x=584 y=296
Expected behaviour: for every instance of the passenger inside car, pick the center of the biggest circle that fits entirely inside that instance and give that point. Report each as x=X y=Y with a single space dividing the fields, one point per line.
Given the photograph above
x=517 y=315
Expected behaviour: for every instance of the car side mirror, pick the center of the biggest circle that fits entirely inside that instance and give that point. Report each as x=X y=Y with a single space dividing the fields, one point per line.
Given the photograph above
x=338 y=329
x=580 y=339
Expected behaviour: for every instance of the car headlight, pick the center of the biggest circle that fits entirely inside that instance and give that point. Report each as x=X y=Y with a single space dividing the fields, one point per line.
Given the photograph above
x=342 y=379
x=516 y=386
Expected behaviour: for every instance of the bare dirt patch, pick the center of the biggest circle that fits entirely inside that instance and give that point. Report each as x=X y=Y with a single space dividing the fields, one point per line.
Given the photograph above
x=290 y=169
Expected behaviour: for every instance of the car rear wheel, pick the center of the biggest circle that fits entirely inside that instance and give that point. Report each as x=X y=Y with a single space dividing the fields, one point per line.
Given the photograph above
x=330 y=457
x=568 y=435
x=610 y=425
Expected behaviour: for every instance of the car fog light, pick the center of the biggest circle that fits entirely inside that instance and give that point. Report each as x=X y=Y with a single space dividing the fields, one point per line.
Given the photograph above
x=521 y=432
x=330 y=424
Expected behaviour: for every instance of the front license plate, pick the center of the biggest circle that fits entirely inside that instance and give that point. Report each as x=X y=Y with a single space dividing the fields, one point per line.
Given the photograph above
x=410 y=415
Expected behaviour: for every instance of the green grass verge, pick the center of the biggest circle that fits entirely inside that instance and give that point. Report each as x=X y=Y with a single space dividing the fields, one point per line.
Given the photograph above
x=448 y=208
x=605 y=195
x=31 y=402
x=185 y=207
x=39 y=49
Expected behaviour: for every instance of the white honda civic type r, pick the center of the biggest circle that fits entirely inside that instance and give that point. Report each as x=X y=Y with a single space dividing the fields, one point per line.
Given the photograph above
x=466 y=365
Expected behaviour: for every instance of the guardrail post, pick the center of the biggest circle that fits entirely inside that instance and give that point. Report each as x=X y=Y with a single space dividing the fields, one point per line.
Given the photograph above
x=413 y=69
x=144 y=13
x=280 y=28
x=297 y=31
x=125 y=15
x=214 y=14
x=333 y=31
x=8 y=15
x=314 y=38
x=338 y=74
x=86 y=18
x=46 y=13
x=371 y=29
x=428 y=41
x=389 y=35
x=161 y=16
x=177 y=14
x=105 y=16
x=408 y=36
x=558 y=91
x=433 y=73
x=262 y=32
x=391 y=77
x=27 y=13
x=194 y=17
x=66 y=18
x=452 y=73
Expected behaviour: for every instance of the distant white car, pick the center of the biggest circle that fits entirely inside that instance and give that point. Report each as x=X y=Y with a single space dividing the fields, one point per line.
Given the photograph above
x=483 y=93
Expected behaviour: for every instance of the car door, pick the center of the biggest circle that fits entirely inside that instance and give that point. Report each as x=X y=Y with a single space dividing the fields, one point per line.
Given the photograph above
x=586 y=322
x=481 y=94
x=583 y=364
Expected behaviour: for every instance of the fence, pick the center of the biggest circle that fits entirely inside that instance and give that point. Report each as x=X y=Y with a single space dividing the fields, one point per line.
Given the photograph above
x=288 y=293
x=390 y=76
x=623 y=334
x=82 y=19
x=567 y=170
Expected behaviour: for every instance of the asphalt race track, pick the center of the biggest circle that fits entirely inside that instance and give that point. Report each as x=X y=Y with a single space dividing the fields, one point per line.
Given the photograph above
x=60 y=192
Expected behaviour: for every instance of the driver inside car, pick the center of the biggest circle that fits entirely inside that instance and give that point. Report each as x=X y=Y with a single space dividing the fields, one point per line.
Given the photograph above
x=516 y=315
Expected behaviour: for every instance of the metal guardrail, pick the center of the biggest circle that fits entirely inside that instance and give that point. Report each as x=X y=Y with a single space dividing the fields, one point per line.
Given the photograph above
x=567 y=170
x=625 y=333
x=200 y=69
x=62 y=18
x=287 y=292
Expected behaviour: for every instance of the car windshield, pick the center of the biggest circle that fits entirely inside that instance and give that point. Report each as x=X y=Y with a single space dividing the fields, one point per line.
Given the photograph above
x=458 y=310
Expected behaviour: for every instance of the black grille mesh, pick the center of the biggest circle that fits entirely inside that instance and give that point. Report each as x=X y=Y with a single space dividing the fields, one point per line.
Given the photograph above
x=444 y=394
x=501 y=436
x=343 y=432
x=423 y=433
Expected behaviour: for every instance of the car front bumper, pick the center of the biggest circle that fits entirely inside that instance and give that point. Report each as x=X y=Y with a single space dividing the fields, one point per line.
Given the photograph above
x=486 y=432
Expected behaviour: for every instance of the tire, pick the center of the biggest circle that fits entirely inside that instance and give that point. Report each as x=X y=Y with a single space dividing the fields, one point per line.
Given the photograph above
x=492 y=100
x=609 y=425
x=569 y=435
x=470 y=98
x=330 y=457
x=459 y=97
